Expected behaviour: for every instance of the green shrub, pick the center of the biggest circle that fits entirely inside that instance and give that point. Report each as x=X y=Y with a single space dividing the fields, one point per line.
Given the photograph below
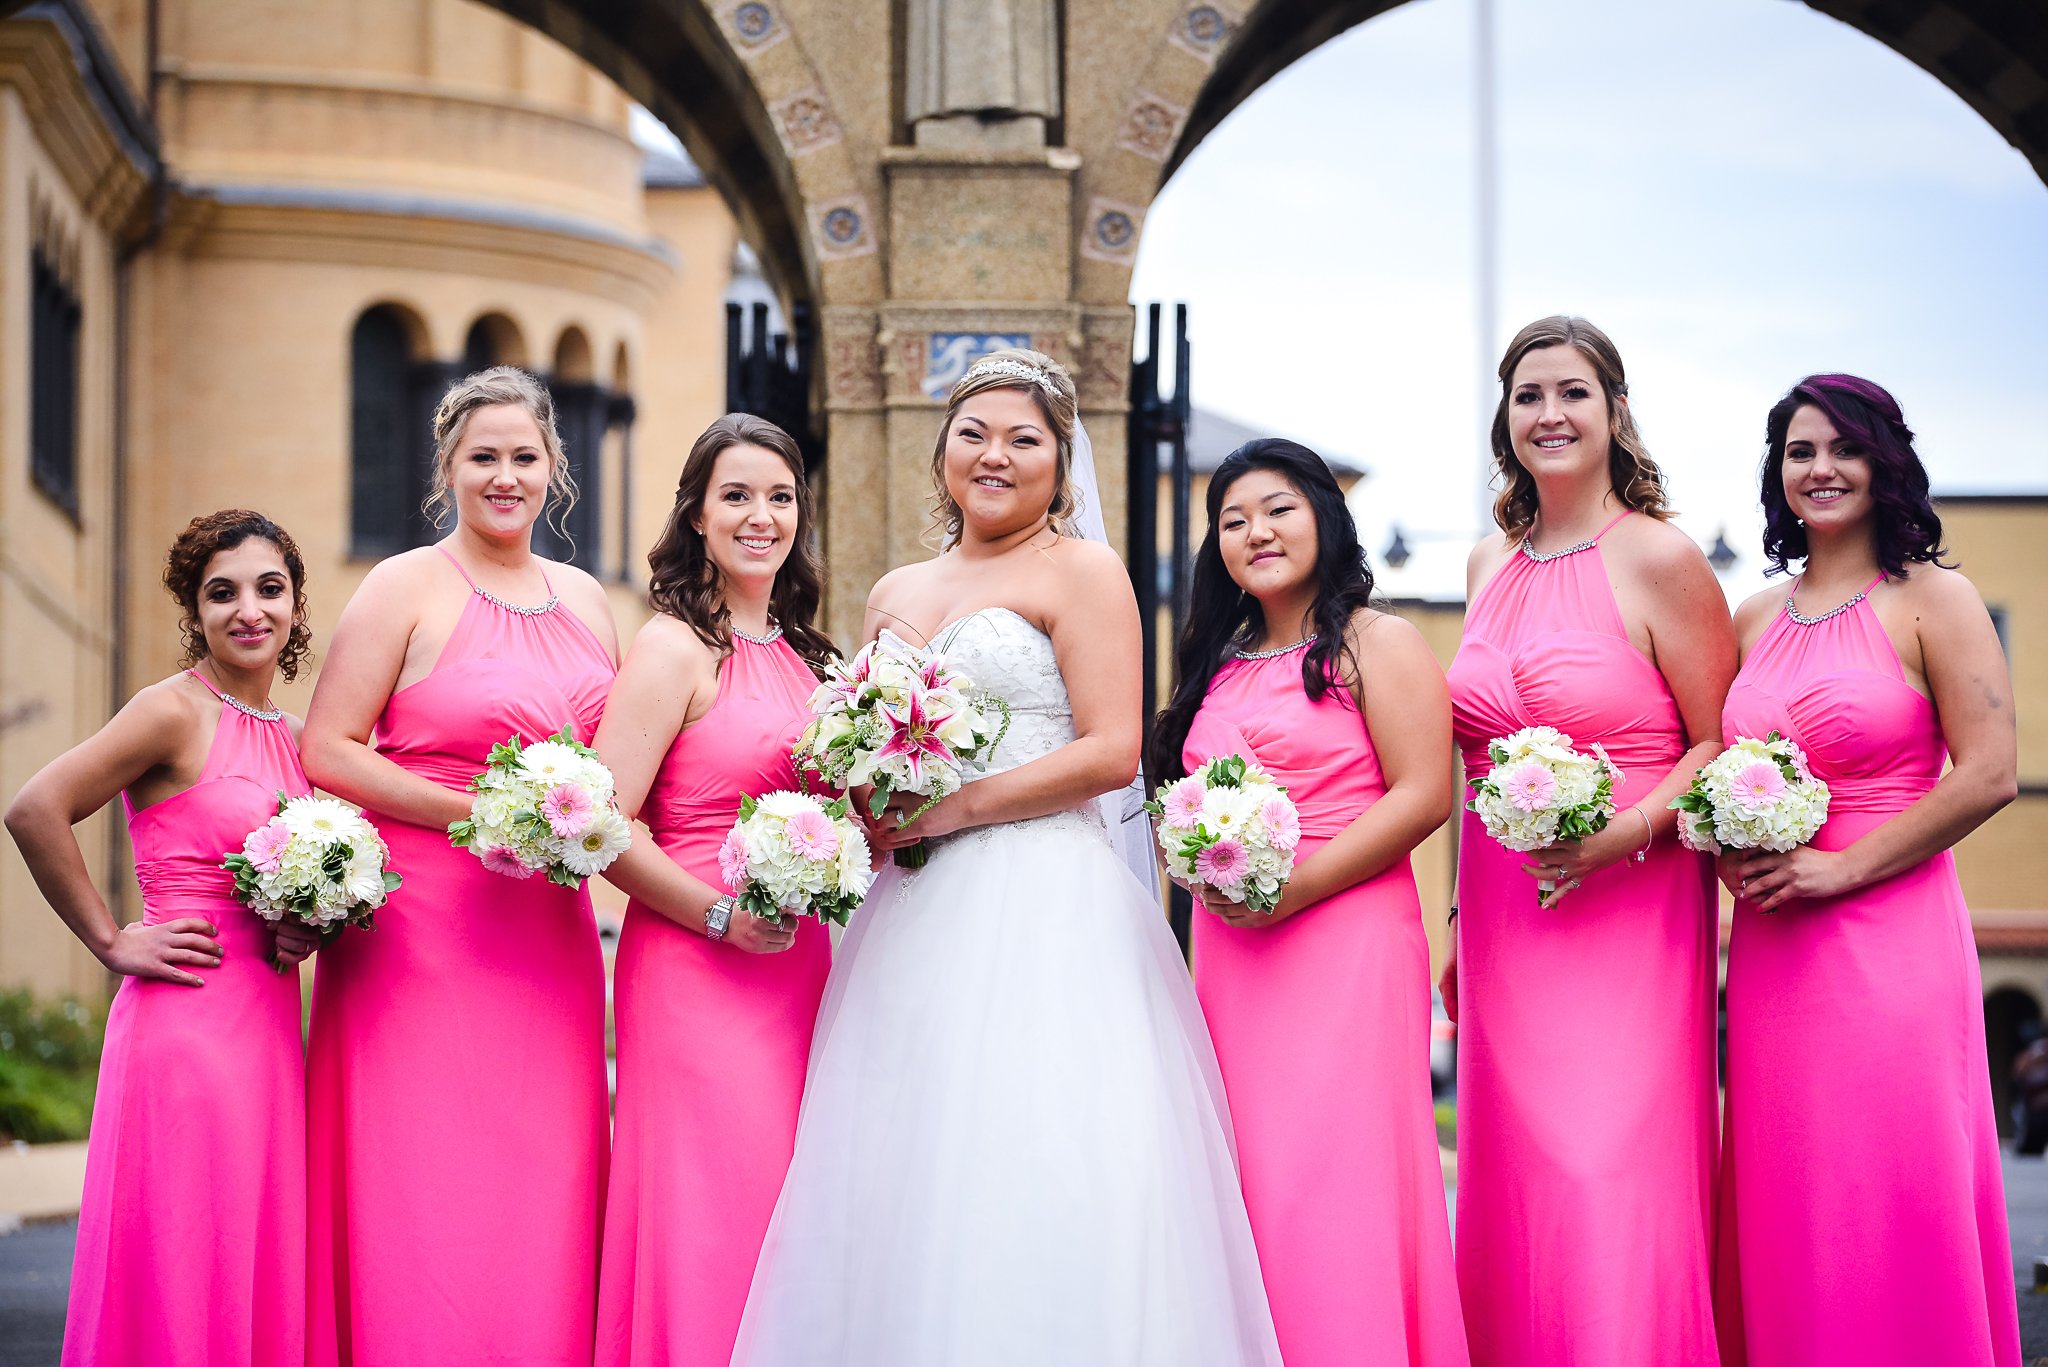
x=49 y=1066
x=1447 y=1124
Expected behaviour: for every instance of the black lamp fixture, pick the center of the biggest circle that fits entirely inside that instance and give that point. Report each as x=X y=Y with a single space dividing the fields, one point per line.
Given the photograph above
x=1722 y=557
x=1397 y=552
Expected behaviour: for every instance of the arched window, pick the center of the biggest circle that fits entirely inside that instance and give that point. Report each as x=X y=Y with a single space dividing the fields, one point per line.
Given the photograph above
x=580 y=417
x=390 y=447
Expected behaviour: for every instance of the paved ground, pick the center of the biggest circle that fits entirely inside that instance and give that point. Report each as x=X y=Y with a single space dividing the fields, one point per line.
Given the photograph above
x=35 y=1274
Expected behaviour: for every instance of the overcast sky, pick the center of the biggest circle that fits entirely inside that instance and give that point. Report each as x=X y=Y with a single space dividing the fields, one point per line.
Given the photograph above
x=1739 y=191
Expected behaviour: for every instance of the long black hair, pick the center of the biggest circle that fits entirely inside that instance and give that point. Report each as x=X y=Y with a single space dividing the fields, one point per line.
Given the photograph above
x=1907 y=527
x=1222 y=618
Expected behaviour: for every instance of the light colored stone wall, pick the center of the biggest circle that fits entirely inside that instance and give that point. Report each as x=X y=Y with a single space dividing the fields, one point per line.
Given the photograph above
x=482 y=169
x=66 y=187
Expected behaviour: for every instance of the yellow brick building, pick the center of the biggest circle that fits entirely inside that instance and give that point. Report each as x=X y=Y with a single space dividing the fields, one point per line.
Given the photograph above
x=243 y=245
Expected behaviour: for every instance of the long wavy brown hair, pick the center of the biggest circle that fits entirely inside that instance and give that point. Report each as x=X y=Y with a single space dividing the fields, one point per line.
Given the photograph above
x=1636 y=479
x=682 y=579
x=185 y=568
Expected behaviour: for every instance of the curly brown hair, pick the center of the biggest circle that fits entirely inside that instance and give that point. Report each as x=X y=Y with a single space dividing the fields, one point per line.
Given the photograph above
x=682 y=579
x=185 y=569
x=1634 y=477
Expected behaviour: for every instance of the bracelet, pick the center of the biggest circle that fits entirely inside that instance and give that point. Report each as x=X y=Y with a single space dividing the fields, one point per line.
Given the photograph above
x=1649 y=833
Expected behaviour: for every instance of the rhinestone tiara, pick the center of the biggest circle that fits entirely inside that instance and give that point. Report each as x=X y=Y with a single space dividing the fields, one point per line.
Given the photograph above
x=1017 y=370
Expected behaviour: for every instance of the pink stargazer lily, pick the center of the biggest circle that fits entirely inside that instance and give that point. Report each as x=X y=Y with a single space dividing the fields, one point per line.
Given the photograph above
x=913 y=734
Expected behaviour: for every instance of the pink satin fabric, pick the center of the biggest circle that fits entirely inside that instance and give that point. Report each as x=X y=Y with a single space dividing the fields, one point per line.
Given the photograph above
x=1321 y=1025
x=456 y=1068
x=192 y=1226
x=1586 y=1087
x=712 y=1043
x=1862 y=1209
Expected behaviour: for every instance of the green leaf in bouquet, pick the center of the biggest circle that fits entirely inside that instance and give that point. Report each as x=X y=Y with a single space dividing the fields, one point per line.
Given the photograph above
x=282 y=802
x=560 y=875
x=504 y=752
x=747 y=806
x=462 y=834
x=836 y=808
x=878 y=801
x=392 y=882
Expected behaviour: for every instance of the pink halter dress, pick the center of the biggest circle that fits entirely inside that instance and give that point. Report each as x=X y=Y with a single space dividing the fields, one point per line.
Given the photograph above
x=712 y=1044
x=192 y=1226
x=1321 y=1026
x=456 y=1070
x=1586 y=1088
x=1862 y=1209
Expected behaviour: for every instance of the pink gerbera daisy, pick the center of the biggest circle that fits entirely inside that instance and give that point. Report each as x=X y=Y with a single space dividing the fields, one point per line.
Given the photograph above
x=266 y=847
x=568 y=810
x=504 y=859
x=1222 y=864
x=732 y=858
x=1531 y=787
x=1758 y=785
x=811 y=835
x=1283 y=824
x=1184 y=804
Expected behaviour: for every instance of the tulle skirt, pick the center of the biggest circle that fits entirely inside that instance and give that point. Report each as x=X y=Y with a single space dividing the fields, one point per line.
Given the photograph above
x=1014 y=1147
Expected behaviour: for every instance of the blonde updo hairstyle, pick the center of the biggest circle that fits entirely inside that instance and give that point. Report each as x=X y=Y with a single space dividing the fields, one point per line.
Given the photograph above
x=1061 y=407
x=1635 y=478
x=486 y=389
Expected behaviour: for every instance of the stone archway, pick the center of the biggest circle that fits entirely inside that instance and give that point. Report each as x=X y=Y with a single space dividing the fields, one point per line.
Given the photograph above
x=1991 y=53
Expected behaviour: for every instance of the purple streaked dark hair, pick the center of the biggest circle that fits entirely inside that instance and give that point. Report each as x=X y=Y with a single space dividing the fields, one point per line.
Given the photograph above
x=1908 y=528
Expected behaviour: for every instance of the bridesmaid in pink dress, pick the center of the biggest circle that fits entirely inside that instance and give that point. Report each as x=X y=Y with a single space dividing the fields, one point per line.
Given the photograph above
x=1320 y=1009
x=714 y=1007
x=455 y=1071
x=1586 y=1135
x=192 y=1226
x=1853 y=987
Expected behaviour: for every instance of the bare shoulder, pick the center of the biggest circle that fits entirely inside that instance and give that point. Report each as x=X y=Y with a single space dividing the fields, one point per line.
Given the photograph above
x=178 y=701
x=670 y=642
x=407 y=571
x=1484 y=562
x=1087 y=573
x=1075 y=556
x=577 y=585
x=1374 y=632
x=1756 y=611
x=1657 y=546
x=297 y=724
x=897 y=580
x=1936 y=590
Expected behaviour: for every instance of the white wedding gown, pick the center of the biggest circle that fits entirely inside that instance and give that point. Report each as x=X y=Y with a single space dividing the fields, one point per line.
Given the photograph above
x=1014 y=1146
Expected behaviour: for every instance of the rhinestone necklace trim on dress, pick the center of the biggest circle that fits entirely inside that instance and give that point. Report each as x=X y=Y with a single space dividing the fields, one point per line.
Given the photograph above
x=260 y=714
x=1539 y=557
x=774 y=635
x=1276 y=652
x=490 y=597
x=1792 y=610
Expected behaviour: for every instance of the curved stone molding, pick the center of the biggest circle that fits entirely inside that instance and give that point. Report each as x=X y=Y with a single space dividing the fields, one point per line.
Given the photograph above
x=1110 y=231
x=842 y=227
x=805 y=121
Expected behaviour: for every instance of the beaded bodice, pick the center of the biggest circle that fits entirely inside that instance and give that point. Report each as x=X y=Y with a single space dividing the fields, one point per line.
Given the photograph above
x=1004 y=654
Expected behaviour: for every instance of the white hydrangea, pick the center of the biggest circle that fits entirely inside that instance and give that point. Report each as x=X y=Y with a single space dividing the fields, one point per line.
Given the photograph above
x=1541 y=790
x=1754 y=795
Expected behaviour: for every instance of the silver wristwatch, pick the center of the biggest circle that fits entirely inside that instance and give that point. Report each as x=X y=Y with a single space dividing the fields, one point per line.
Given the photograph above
x=718 y=918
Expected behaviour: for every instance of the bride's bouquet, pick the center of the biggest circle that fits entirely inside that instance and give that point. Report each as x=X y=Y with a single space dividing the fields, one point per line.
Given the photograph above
x=1755 y=795
x=792 y=853
x=903 y=719
x=318 y=861
x=544 y=808
x=1541 y=790
x=1229 y=826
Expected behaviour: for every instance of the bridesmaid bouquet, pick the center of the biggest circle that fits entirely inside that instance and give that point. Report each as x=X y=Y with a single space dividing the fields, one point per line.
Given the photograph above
x=790 y=852
x=1541 y=790
x=545 y=808
x=318 y=861
x=902 y=719
x=1229 y=826
x=1755 y=795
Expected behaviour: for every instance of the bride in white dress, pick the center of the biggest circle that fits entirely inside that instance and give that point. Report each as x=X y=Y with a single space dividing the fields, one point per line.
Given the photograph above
x=1014 y=1147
